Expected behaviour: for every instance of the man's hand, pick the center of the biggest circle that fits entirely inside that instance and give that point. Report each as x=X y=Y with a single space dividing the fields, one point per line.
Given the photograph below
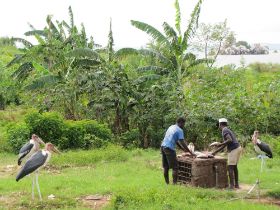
x=210 y=155
x=193 y=155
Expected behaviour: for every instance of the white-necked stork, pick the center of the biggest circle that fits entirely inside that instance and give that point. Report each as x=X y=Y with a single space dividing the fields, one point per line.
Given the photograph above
x=34 y=163
x=30 y=148
x=260 y=147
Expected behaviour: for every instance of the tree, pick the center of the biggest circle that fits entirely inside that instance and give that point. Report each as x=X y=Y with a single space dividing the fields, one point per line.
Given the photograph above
x=243 y=43
x=171 y=48
x=50 y=66
x=210 y=38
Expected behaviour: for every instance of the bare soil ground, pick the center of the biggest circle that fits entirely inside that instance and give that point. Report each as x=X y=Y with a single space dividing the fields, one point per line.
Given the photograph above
x=95 y=201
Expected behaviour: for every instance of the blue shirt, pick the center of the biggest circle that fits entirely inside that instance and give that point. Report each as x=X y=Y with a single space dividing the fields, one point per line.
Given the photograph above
x=173 y=134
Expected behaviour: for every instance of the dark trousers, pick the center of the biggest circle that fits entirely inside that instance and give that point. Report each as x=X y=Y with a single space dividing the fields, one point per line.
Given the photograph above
x=169 y=161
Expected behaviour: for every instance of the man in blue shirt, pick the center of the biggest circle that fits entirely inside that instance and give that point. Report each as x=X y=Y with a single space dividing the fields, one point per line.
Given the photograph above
x=174 y=135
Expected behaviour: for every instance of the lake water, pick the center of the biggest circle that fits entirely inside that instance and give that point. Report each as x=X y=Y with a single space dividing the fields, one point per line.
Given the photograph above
x=236 y=59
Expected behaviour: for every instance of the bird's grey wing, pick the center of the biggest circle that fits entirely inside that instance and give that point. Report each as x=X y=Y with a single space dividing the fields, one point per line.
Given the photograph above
x=24 y=151
x=32 y=164
x=265 y=148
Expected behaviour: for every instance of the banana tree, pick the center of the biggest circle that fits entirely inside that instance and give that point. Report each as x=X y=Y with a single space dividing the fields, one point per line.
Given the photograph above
x=50 y=66
x=171 y=48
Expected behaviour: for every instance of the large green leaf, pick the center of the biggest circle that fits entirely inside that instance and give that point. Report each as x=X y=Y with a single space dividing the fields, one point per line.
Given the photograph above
x=85 y=62
x=169 y=31
x=193 y=24
x=23 y=41
x=157 y=35
x=33 y=32
x=84 y=53
x=153 y=68
x=154 y=54
x=145 y=78
x=71 y=16
x=178 y=17
x=125 y=52
x=42 y=82
x=23 y=71
x=16 y=59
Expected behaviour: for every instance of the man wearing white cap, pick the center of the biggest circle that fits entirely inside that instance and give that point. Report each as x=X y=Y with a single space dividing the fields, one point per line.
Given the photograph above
x=234 y=151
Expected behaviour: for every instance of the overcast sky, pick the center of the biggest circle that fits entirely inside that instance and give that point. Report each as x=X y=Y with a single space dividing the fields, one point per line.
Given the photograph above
x=256 y=21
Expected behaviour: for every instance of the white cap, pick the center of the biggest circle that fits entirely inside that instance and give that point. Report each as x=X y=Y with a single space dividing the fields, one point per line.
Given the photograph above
x=223 y=120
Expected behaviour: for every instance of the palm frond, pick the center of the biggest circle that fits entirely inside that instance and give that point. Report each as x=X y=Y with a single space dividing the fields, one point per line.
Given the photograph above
x=169 y=32
x=178 y=17
x=23 y=71
x=48 y=80
x=154 y=68
x=125 y=52
x=85 y=63
x=40 y=40
x=71 y=17
x=38 y=32
x=16 y=59
x=110 y=43
x=154 y=54
x=153 y=32
x=84 y=53
x=23 y=41
x=53 y=29
x=145 y=78
x=66 y=26
x=193 y=24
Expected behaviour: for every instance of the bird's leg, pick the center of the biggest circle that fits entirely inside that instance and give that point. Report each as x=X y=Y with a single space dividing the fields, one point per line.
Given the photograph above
x=33 y=180
x=38 y=188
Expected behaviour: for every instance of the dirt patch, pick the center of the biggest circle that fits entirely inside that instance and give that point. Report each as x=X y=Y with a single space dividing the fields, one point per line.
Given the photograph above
x=8 y=170
x=52 y=169
x=244 y=188
x=269 y=201
x=95 y=201
x=10 y=201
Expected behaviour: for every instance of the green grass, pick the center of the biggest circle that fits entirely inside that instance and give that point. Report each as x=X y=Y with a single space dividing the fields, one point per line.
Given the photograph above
x=133 y=179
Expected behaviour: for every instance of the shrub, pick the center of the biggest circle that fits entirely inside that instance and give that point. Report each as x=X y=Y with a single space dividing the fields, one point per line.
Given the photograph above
x=49 y=126
x=97 y=129
x=85 y=134
x=156 y=136
x=73 y=136
x=130 y=139
x=18 y=135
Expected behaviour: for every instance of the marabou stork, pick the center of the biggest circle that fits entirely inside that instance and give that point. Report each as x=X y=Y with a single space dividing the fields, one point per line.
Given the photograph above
x=30 y=148
x=261 y=148
x=34 y=163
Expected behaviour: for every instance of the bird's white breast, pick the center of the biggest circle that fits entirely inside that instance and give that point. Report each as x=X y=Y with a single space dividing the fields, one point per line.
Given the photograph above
x=46 y=152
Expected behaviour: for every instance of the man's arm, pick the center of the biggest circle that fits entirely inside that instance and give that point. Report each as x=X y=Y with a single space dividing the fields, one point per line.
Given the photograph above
x=224 y=144
x=184 y=147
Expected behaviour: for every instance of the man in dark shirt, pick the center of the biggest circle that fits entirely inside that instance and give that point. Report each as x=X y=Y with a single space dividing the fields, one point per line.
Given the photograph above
x=234 y=151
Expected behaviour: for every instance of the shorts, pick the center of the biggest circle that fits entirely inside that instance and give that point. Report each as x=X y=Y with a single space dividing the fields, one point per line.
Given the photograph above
x=234 y=155
x=169 y=158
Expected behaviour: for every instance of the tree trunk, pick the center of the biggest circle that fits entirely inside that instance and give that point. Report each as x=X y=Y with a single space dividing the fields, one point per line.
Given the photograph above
x=117 y=122
x=2 y=102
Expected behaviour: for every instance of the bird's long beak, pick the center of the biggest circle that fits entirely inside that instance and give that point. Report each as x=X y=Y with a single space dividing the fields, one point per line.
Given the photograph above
x=56 y=150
